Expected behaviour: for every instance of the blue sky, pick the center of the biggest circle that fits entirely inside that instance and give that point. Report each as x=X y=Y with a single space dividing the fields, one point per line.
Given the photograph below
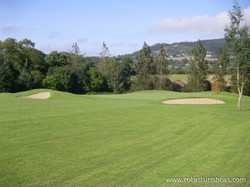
x=122 y=24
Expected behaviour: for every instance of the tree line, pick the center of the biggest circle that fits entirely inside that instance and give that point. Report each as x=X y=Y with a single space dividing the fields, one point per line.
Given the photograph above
x=23 y=67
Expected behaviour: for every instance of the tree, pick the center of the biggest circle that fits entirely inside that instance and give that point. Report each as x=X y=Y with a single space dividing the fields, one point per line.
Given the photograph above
x=197 y=79
x=8 y=73
x=8 y=81
x=62 y=79
x=144 y=67
x=95 y=81
x=104 y=59
x=75 y=57
x=23 y=66
x=118 y=77
x=78 y=69
x=128 y=63
x=218 y=80
x=25 y=81
x=12 y=53
x=110 y=71
x=161 y=64
x=104 y=54
x=238 y=44
x=55 y=58
x=50 y=82
x=27 y=43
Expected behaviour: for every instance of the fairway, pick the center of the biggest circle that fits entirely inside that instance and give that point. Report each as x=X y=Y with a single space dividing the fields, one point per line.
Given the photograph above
x=121 y=140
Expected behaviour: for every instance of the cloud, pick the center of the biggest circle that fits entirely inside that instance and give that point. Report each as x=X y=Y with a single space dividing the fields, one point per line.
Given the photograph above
x=201 y=25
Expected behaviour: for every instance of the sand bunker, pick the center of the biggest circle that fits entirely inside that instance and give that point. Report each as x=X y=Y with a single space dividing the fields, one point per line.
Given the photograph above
x=194 y=101
x=42 y=95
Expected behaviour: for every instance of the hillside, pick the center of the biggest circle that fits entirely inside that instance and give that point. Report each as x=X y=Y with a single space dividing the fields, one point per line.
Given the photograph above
x=184 y=48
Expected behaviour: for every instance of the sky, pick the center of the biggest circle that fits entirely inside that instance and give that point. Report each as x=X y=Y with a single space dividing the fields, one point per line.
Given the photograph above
x=124 y=25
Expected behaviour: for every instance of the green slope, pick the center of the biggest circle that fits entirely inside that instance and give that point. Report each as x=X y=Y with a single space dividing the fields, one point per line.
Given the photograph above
x=121 y=140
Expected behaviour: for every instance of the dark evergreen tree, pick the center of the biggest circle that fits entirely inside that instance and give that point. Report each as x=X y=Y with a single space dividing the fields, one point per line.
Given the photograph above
x=144 y=69
x=197 y=78
x=161 y=68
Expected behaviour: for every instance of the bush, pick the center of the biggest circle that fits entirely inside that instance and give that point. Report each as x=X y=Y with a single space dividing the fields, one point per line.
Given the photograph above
x=49 y=82
x=177 y=85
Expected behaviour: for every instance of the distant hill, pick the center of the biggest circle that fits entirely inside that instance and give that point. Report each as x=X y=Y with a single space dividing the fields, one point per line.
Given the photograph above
x=184 y=48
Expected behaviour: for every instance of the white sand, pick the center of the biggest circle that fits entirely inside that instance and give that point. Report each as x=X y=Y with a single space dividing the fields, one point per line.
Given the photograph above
x=42 y=95
x=191 y=101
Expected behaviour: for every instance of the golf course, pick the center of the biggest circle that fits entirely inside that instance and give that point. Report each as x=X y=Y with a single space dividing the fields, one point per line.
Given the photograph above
x=130 y=139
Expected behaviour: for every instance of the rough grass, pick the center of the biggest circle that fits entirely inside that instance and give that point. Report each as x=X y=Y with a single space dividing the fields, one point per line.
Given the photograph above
x=121 y=140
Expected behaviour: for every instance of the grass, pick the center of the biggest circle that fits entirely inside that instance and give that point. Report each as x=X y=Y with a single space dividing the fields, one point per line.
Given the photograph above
x=121 y=140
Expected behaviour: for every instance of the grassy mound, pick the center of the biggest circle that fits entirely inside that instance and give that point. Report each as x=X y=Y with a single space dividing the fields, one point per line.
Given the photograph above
x=121 y=140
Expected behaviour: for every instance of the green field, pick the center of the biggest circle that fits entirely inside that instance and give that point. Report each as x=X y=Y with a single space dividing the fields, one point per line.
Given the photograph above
x=184 y=77
x=121 y=140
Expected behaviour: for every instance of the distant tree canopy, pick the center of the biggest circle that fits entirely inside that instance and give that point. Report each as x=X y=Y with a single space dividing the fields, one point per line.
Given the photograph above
x=23 y=67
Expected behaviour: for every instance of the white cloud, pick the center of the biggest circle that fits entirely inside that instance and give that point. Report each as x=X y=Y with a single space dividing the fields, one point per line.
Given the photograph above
x=203 y=26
